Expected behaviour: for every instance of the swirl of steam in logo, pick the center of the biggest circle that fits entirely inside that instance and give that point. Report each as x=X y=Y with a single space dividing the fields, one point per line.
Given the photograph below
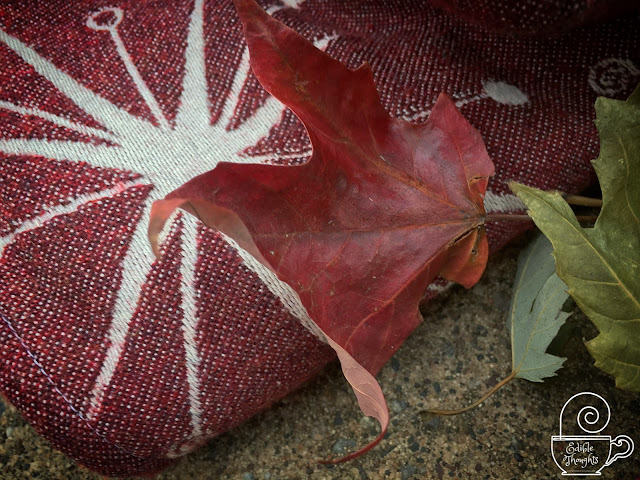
x=613 y=76
x=588 y=416
x=591 y=416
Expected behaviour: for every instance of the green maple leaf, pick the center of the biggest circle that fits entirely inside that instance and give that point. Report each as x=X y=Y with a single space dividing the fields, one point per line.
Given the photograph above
x=601 y=265
x=535 y=314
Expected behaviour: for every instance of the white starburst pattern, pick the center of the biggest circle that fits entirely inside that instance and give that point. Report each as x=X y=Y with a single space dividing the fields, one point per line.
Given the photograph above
x=188 y=146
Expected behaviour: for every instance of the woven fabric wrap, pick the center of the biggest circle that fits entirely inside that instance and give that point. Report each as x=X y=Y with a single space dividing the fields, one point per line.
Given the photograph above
x=125 y=363
x=538 y=17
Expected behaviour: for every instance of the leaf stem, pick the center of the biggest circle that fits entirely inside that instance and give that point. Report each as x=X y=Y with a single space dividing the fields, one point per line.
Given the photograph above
x=493 y=390
x=506 y=217
x=582 y=201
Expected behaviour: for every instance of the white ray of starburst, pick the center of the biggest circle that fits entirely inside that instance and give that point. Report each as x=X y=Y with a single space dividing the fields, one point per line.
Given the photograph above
x=58 y=120
x=72 y=206
x=189 y=147
x=114 y=119
x=194 y=114
x=190 y=320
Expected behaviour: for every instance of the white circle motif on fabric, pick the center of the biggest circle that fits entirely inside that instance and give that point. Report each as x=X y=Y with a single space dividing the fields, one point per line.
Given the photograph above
x=105 y=19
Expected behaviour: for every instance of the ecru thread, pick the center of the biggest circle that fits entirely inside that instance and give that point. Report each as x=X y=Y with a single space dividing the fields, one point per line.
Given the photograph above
x=42 y=370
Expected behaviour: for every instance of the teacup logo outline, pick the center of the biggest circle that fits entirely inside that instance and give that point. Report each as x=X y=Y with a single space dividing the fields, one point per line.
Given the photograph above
x=579 y=455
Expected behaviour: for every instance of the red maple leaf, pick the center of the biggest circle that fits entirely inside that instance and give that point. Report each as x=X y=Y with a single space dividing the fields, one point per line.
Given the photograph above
x=381 y=208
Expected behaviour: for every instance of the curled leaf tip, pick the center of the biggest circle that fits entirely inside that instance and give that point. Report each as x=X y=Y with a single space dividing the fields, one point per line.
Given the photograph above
x=161 y=210
x=370 y=398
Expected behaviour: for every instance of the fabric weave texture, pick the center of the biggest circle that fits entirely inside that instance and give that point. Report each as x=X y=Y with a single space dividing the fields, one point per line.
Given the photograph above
x=126 y=363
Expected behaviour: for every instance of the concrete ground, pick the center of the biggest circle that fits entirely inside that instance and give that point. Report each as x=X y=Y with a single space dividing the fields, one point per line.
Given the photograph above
x=460 y=351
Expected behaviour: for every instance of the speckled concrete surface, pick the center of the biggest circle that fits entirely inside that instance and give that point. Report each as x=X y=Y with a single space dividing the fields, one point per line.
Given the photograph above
x=460 y=351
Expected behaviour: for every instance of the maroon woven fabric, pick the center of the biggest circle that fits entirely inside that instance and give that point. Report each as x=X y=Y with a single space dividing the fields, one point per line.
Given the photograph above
x=125 y=363
x=537 y=17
